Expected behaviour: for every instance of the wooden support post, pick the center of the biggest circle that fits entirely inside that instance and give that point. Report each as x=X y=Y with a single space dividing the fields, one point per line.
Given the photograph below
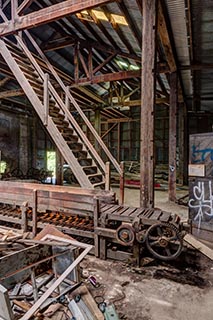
x=0 y=164
x=24 y=218
x=186 y=146
x=34 y=229
x=46 y=99
x=147 y=104
x=181 y=143
x=107 y=176
x=59 y=168
x=90 y=64
x=119 y=143
x=172 y=136
x=122 y=183
x=96 y=236
x=76 y=63
x=103 y=249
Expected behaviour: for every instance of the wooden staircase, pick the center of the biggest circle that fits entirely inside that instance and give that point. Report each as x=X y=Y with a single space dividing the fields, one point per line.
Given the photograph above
x=38 y=82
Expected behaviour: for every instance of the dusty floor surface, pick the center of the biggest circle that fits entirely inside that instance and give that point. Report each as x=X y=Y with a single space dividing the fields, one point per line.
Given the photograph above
x=139 y=295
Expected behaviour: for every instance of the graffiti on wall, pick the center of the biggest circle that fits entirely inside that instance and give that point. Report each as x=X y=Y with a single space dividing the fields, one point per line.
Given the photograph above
x=200 y=155
x=202 y=201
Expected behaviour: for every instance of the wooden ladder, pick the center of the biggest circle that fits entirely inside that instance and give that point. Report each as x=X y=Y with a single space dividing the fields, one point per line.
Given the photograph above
x=37 y=81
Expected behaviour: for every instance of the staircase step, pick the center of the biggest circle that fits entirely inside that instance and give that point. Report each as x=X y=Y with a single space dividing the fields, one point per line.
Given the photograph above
x=85 y=161
x=36 y=83
x=71 y=139
x=80 y=155
x=57 y=120
x=16 y=52
x=33 y=77
x=75 y=146
x=62 y=126
x=67 y=134
x=94 y=175
x=90 y=169
x=99 y=184
x=23 y=64
x=54 y=109
x=38 y=91
x=55 y=114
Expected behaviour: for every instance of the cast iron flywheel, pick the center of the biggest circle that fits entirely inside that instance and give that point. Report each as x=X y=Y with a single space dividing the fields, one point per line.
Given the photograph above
x=164 y=241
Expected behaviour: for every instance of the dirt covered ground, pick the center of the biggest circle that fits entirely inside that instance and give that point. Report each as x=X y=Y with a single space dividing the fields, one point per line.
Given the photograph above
x=148 y=293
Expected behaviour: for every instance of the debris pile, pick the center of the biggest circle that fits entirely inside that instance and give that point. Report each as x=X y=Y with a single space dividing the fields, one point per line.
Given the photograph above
x=41 y=278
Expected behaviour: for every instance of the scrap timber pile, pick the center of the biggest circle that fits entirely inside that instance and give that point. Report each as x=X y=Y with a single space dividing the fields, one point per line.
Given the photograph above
x=40 y=278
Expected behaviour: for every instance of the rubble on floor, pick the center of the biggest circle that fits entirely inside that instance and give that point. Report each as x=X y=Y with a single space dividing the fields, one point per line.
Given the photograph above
x=42 y=278
x=51 y=277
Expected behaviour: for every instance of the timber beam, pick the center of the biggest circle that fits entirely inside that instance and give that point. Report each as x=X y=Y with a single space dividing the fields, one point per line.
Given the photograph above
x=11 y=93
x=134 y=103
x=49 y=14
x=4 y=81
x=71 y=41
x=115 y=76
x=147 y=104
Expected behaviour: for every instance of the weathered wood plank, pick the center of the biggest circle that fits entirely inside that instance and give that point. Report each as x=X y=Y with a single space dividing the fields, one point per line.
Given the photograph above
x=74 y=190
x=147 y=104
x=173 y=136
x=5 y=305
x=208 y=252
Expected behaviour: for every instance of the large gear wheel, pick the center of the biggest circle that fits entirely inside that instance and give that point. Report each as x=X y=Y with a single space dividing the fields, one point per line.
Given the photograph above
x=164 y=241
x=125 y=235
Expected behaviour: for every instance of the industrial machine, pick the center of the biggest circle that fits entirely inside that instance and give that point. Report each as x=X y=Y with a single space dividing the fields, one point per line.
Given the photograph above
x=92 y=216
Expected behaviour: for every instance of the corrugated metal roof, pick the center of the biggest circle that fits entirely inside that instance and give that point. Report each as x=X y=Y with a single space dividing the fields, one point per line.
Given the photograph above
x=177 y=15
x=202 y=19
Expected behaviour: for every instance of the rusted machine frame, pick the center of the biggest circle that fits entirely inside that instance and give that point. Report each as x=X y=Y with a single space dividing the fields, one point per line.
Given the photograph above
x=100 y=205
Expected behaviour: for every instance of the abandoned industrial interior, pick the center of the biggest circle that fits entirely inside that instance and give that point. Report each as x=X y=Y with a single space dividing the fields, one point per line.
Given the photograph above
x=106 y=159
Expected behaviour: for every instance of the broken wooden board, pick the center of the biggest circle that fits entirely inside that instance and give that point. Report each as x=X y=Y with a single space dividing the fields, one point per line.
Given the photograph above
x=190 y=239
x=53 y=231
x=5 y=306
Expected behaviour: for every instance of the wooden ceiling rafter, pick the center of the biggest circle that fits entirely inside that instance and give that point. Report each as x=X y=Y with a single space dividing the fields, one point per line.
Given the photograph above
x=48 y=14
x=70 y=40
x=4 y=81
x=11 y=93
x=115 y=76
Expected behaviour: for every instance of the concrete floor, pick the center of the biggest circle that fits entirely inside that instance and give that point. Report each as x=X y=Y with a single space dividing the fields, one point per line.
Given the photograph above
x=138 y=295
